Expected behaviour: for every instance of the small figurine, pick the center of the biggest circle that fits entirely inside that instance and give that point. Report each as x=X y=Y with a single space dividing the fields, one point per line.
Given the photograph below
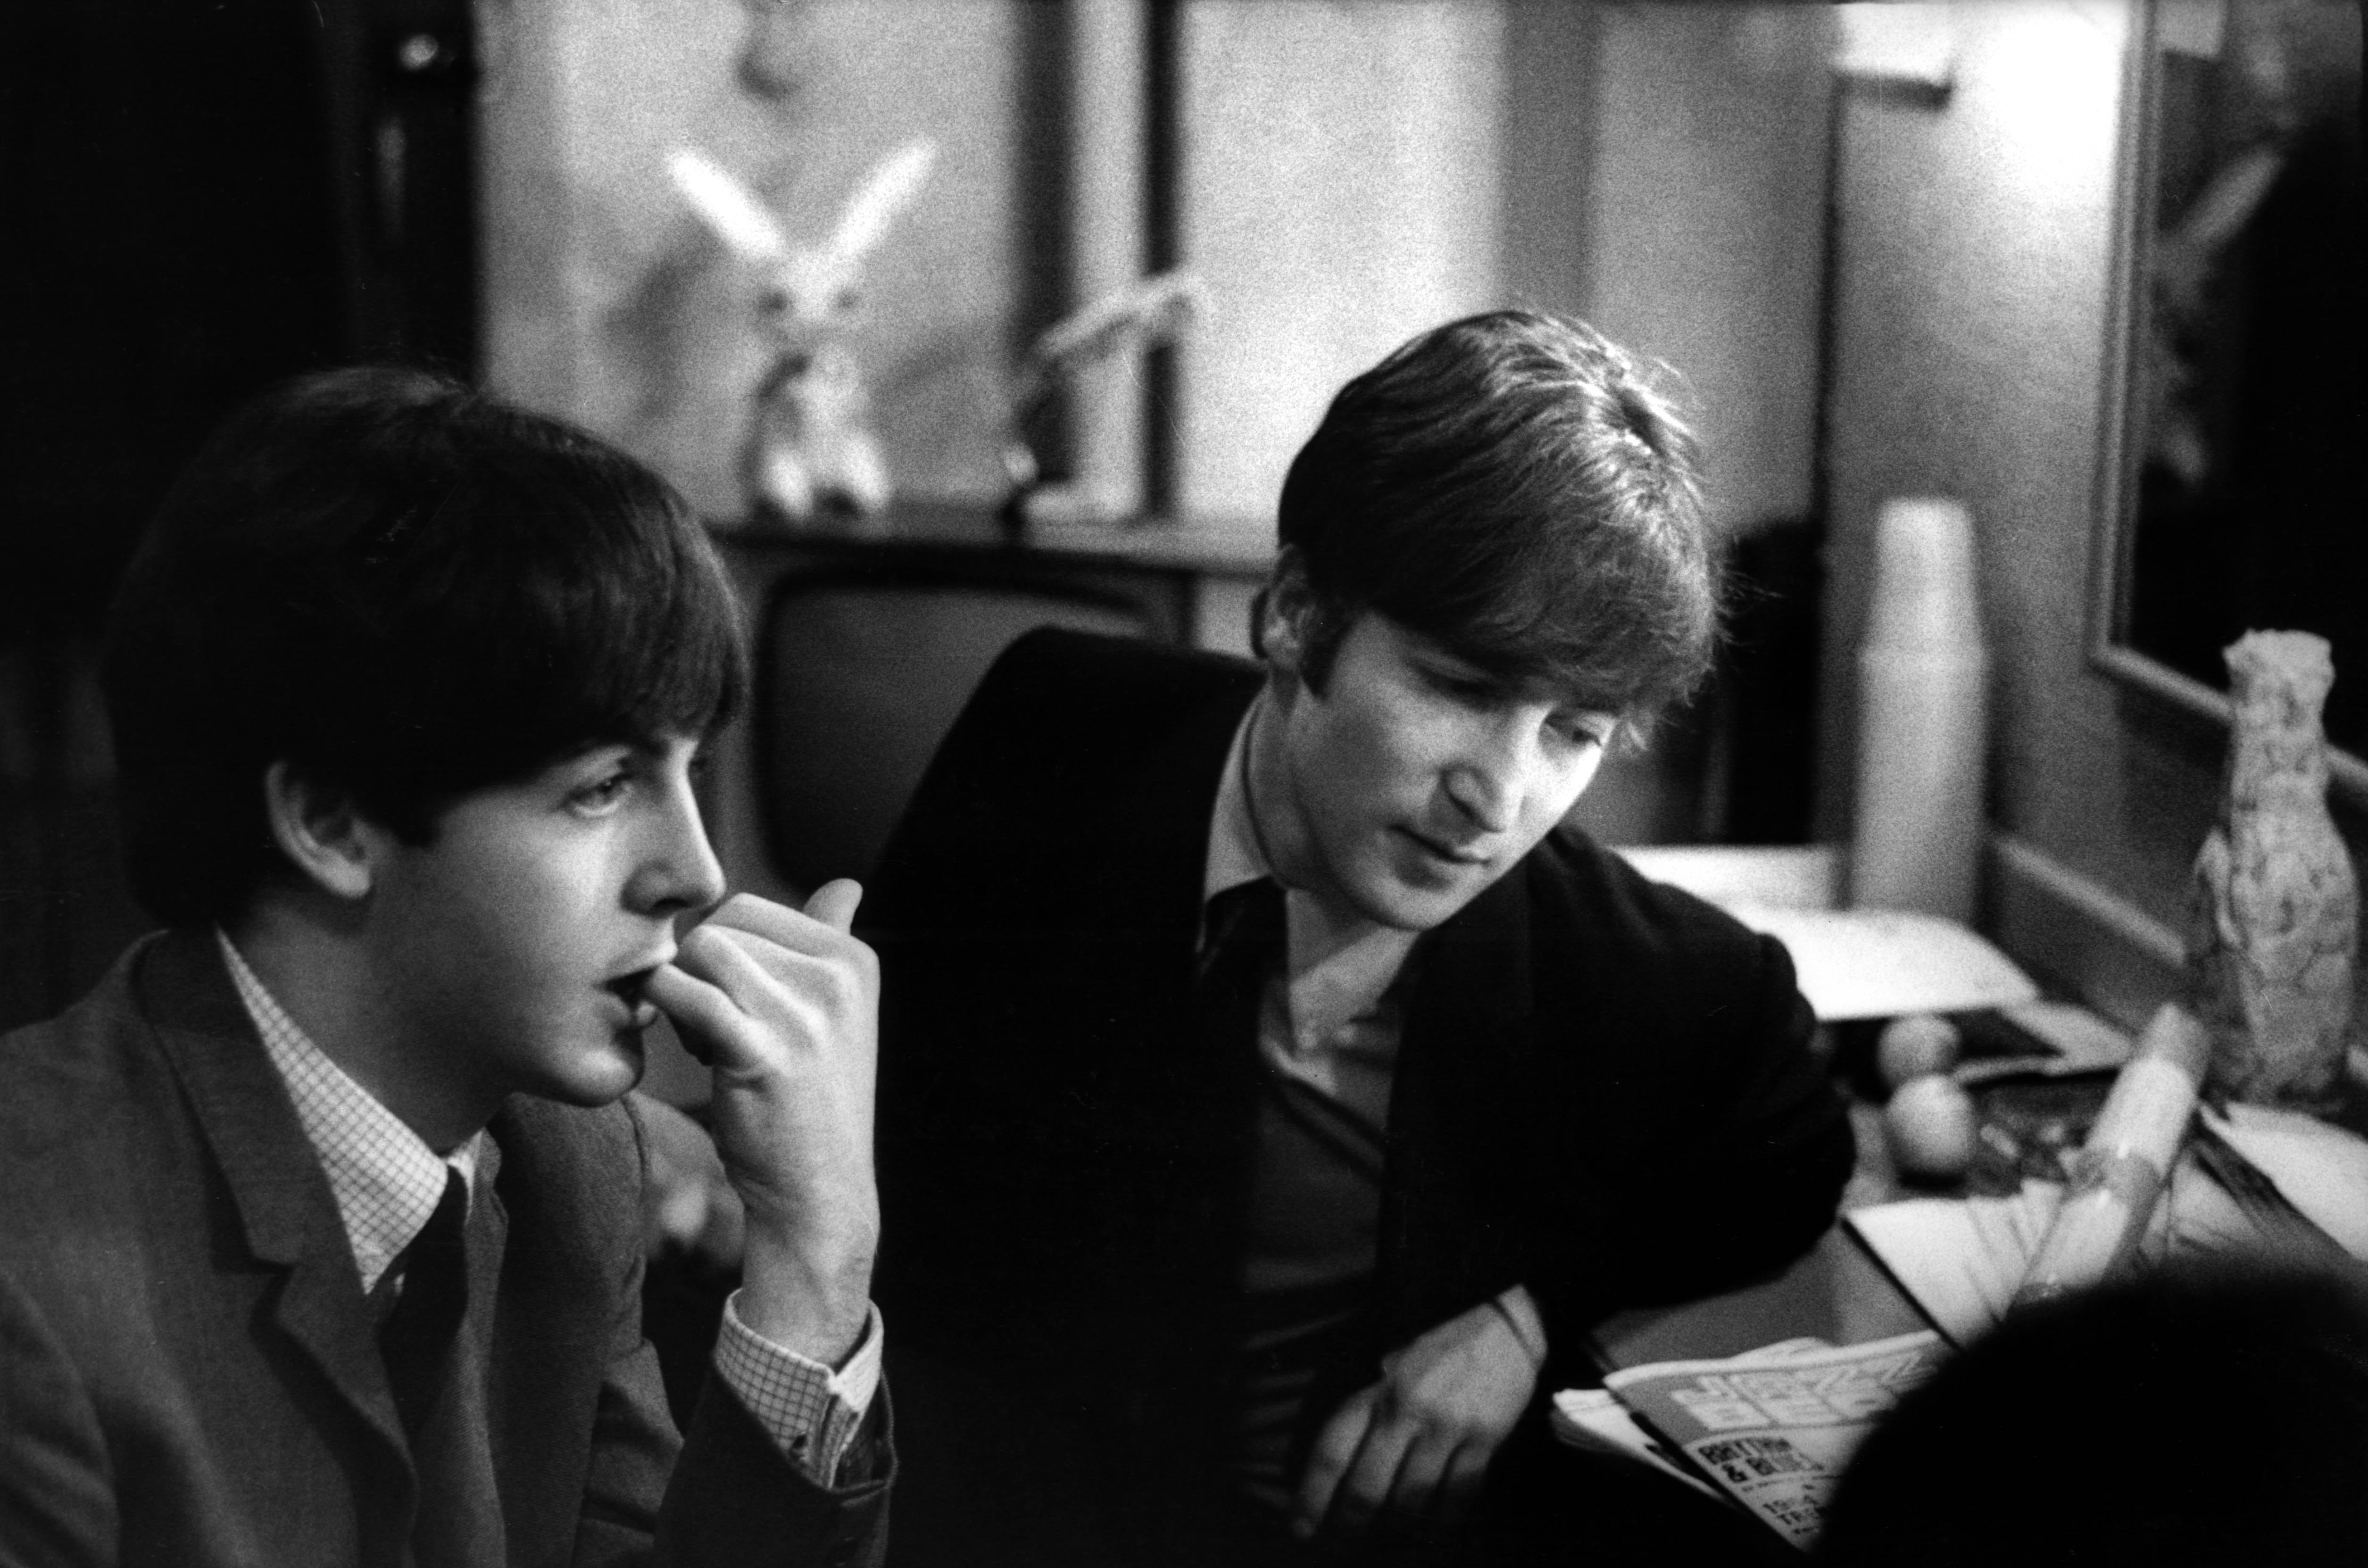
x=810 y=449
x=2274 y=928
x=1145 y=313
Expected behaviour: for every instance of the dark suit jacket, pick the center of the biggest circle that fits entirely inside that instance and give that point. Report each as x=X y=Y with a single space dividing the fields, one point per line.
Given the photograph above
x=189 y=1374
x=1603 y=1092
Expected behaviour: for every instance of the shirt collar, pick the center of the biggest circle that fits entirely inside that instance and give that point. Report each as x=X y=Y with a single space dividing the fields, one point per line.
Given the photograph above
x=386 y=1180
x=1337 y=972
x=1234 y=857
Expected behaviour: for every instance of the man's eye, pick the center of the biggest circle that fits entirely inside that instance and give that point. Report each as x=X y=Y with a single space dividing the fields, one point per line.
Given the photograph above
x=1469 y=690
x=1580 y=731
x=601 y=794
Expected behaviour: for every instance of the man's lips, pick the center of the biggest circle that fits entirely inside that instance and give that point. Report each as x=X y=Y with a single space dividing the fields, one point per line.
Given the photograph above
x=629 y=988
x=1469 y=854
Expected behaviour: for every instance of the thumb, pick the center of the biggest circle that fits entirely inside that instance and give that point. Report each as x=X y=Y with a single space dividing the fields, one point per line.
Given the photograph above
x=834 y=903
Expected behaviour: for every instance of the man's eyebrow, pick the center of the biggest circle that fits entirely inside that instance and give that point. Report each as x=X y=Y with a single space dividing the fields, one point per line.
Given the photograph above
x=1447 y=663
x=1565 y=700
x=633 y=750
x=654 y=748
x=1594 y=704
x=1514 y=685
x=654 y=742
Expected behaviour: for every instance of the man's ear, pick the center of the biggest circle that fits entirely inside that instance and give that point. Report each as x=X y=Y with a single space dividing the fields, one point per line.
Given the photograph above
x=1286 y=616
x=323 y=836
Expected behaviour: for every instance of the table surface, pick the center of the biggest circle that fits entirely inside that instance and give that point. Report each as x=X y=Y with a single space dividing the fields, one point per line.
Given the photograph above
x=1836 y=1291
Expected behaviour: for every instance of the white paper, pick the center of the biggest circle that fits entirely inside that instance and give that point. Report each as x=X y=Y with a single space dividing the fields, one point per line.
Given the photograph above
x=2322 y=1169
x=1880 y=963
x=1961 y=1258
x=1802 y=876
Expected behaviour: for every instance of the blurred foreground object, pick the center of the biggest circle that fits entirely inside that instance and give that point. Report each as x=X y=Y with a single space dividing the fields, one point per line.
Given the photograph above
x=2274 y=928
x=2177 y=1417
x=2120 y=1172
x=812 y=452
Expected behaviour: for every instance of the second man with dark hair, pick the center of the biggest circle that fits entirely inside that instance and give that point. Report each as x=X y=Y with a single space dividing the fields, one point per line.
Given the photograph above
x=323 y=1232
x=1274 y=1092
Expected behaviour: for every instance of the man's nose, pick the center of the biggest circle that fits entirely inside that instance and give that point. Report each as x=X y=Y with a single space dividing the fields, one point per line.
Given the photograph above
x=679 y=869
x=1489 y=780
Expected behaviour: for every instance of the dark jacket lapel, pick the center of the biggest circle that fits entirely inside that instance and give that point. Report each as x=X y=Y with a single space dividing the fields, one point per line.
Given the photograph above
x=1446 y=1232
x=1178 y=1103
x=285 y=1209
x=1157 y=828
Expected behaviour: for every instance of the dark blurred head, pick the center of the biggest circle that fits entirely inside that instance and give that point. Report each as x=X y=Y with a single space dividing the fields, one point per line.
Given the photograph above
x=2182 y=1417
x=407 y=592
x=1510 y=487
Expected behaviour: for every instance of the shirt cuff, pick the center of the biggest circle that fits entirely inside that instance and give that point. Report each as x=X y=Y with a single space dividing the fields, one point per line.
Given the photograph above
x=809 y=1411
x=1520 y=1309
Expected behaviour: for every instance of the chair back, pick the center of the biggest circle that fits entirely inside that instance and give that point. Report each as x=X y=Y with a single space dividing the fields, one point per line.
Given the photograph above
x=859 y=677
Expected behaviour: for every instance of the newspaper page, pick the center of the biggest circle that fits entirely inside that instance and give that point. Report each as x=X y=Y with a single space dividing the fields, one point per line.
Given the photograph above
x=1776 y=1431
x=1595 y=1421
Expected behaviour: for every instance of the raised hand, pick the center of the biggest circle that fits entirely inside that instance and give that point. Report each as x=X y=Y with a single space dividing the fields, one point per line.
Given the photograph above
x=784 y=1005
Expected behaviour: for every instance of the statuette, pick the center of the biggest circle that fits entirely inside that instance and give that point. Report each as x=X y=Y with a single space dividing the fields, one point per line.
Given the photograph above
x=2274 y=929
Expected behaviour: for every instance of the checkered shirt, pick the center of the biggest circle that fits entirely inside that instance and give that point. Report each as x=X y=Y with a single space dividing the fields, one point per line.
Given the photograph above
x=387 y=1183
x=811 y=1411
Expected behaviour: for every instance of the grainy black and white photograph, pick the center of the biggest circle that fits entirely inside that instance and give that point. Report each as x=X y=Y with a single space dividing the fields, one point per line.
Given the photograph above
x=1182 y=784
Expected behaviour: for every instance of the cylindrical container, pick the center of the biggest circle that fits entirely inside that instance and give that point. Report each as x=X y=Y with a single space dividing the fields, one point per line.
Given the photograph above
x=2119 y=1170
x=1922 y=716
